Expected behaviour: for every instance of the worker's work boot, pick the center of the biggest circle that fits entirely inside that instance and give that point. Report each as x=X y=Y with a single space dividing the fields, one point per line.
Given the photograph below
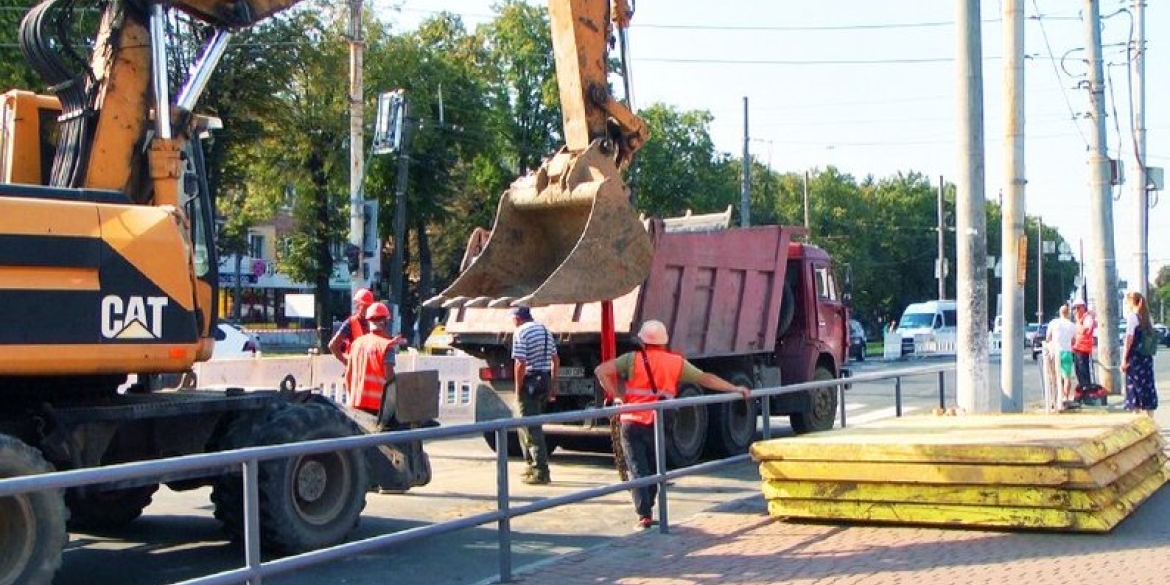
x=537 y=477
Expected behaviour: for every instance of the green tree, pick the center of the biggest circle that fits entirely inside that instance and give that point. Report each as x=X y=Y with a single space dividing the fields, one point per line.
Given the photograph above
x=679 y=169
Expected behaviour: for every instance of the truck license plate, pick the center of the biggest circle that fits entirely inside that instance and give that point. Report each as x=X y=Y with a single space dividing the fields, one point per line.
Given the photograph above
x=571 y=372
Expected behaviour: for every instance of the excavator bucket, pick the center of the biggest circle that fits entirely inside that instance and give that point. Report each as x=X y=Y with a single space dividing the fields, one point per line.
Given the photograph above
x=564 y=234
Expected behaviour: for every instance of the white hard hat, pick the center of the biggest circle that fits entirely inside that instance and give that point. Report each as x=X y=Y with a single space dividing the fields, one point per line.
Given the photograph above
x=653 y=332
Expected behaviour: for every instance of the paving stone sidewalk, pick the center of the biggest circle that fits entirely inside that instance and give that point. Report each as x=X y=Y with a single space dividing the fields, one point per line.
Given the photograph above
x=740 y=545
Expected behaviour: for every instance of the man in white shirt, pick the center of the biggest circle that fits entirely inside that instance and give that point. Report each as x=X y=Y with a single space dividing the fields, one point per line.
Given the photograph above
x=1059 y=343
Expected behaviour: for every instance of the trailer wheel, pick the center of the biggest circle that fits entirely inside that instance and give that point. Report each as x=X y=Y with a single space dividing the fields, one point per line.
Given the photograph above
x=686 y=430
x=99 y=511
x=32 y=525
x=733 y=424
x=306 y=502
x=822 y=407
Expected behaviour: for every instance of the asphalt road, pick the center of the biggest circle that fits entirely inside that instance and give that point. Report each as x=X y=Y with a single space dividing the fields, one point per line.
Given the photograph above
x=178 y=539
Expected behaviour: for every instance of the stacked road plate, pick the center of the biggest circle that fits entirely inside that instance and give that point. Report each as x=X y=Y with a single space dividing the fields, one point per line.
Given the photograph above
x=1083 y=473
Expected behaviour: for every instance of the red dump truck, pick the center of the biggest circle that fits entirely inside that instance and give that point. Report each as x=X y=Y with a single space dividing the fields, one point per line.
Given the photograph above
x=749 y=304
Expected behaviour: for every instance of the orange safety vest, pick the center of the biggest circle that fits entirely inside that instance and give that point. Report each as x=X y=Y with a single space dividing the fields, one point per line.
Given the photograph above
x=357 y=328
x=367 y=372
x=666 y=368
x=1084 y=338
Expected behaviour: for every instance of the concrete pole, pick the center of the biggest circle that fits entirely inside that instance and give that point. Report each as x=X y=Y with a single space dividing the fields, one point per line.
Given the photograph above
x=397 y=273
x=357 y=222
x=745 y=183
x=1141 y=232
x=1040 y=270
x=1013 y=235
x=973 y=391
x=1102 y=270
x=940 y=266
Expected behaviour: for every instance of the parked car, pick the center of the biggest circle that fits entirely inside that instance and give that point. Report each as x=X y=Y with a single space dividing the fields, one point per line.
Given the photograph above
x=1037 y=342
x=1163 y=333
x=233 y=343
x=857 y=340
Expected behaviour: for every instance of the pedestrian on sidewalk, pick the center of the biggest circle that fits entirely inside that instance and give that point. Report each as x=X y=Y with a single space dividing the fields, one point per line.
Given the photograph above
x=644 y=377
x=1058 y=343
x=534 y=353
x=1084 y=340
x=1137 y=358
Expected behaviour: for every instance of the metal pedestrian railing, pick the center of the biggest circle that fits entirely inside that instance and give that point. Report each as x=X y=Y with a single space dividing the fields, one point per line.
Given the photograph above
x=248 y=461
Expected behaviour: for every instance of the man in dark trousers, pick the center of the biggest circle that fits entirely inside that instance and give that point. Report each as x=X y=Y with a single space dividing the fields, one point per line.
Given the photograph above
x=534 y=352
x=1083 y=342
x=650 y=374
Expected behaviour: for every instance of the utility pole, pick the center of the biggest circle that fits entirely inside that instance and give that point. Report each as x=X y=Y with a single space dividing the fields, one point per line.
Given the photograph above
x=397 y=277
x=357 y=226
x=1040 y=270
x=972 y=364
x=941 y=262
x=1139 y=181
x=1103 y=260
x=1013 y=240
x=745 y=183
x=806 y=223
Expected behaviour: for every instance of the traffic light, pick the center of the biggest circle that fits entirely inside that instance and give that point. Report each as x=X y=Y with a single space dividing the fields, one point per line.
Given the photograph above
x=353 y=257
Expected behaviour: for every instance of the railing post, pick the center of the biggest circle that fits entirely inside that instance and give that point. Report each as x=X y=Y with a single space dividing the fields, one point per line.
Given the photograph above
x=841 y=402
x=766 y=412
x=660 y=467
x=942 y=390
x=252 y=518
x=504 y=528
x=898 y=396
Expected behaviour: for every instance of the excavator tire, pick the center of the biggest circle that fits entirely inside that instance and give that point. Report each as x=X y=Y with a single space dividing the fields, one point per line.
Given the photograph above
x=306 y=502
x=32 y=525
x=102 y=511
x=732 y=424
x=822 y=412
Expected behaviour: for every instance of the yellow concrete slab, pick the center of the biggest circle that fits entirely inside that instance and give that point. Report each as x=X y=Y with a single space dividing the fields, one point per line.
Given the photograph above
x=1098 y=475
x=1072 y=439
x=968 y=495
x=1004 y=517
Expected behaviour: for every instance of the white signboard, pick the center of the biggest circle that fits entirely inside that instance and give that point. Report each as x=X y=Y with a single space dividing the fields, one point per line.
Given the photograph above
x=299 y=306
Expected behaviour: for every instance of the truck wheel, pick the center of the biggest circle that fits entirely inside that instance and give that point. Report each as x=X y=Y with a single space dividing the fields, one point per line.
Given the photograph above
x=98 y=511
x=513 y=443
x=32 y=525
x=306 y=502
x=686 y=430
x=822 y=408
x=733 y=424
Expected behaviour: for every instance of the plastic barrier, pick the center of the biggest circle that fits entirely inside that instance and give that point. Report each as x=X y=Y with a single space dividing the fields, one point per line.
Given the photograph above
x=458 y=376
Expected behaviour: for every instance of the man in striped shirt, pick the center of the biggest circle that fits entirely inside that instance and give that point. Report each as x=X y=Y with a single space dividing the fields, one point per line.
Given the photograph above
x=534 y=353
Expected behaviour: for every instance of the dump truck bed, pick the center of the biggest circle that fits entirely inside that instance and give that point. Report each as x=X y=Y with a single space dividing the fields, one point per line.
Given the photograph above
x=718 y=292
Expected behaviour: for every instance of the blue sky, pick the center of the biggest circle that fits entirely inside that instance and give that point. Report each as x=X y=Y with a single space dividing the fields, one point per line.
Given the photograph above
x=869 y=87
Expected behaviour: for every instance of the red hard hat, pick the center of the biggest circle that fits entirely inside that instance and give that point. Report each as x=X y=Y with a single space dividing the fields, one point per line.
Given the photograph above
x=363 y=296
x=378 y=311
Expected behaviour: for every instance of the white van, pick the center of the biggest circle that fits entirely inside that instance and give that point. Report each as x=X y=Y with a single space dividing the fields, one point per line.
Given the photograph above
x=930 y=317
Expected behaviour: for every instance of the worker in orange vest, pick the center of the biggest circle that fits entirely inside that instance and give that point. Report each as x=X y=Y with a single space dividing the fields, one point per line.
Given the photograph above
x=371 y=361
x=650 y=374
x=354 y=327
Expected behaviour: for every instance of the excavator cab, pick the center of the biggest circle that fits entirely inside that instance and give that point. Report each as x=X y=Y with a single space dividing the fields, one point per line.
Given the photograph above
x=567 y=233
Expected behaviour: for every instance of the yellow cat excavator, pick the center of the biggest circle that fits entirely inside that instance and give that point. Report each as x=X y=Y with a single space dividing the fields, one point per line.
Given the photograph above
x=108 y=268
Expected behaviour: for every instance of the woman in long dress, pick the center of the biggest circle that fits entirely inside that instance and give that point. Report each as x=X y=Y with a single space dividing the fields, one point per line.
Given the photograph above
x=1140 y=394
